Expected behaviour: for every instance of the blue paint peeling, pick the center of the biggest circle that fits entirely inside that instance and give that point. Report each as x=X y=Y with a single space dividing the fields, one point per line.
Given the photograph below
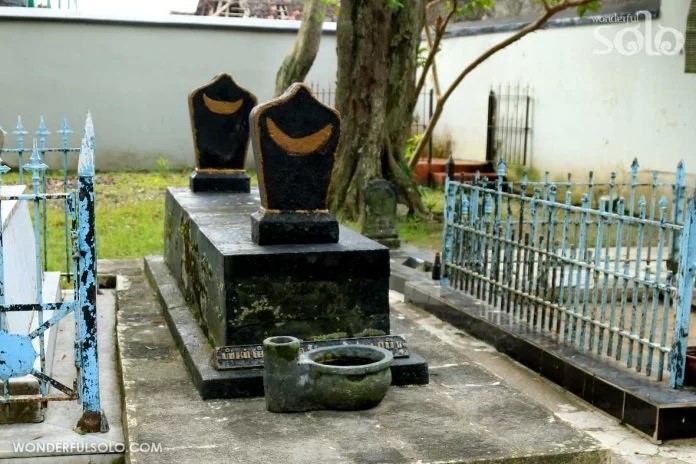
x=687 y=273
x=3 y=318
x=17 y=355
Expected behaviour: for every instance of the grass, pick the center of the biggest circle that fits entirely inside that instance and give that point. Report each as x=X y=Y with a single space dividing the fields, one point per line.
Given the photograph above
x=130 y=215
x=129 y=212
x=423 y=234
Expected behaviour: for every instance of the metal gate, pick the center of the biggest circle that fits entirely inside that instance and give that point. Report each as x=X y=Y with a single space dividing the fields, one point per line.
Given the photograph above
x=25 y=354
x=509 y=125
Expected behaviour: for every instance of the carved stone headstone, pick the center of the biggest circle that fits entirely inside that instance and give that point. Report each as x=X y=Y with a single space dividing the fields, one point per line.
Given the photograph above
x=294 y=138
x=220 y=123
x=379 y=213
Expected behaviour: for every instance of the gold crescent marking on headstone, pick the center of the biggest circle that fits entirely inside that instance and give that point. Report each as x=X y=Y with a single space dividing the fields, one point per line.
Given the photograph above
x=221 y=106
x=301 y=145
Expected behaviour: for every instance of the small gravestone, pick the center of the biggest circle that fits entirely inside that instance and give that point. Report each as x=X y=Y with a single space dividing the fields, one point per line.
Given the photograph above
x=220 y=123
x=294 y=138
x=379 y=213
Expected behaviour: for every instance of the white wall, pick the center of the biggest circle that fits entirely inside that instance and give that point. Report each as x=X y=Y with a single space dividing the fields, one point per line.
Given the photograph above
x=19 y=250
x=134 y=75
x=591 y=111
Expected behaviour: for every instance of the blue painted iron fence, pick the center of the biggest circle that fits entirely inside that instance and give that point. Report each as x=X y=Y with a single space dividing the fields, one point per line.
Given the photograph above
x=75 y=199
x=605 y=267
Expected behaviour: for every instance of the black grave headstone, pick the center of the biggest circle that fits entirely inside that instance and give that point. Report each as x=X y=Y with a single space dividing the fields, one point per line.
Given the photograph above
x=294 y=138
x=379 y=213
x=219 y=114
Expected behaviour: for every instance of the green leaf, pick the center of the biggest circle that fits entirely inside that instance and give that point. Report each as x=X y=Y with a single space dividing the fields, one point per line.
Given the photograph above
x=592 y=7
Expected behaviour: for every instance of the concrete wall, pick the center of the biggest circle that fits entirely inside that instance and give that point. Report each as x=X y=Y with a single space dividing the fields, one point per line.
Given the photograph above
x=591 y=111
x=134 y=75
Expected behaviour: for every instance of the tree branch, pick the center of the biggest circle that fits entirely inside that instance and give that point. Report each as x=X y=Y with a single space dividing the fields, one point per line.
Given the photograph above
x=439 y=32
x=440 y=103
x=436 y=80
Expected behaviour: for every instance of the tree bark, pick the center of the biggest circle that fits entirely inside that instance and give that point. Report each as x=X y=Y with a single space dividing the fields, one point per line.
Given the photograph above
x=377 y=49
x=299 y=61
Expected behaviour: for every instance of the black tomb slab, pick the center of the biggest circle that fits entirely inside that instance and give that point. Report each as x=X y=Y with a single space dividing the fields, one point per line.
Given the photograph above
x=241 y=292
x=219 y=114
x=294 y=138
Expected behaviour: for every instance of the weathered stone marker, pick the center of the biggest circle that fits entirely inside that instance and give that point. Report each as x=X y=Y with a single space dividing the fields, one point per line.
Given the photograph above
x=220 y=123
x=379 y=213
x=294 y=138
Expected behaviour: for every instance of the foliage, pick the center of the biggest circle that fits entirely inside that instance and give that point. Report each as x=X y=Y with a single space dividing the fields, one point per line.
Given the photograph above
x=411 y=145
x=433 y=199
x=515 y=173
x=471 y=9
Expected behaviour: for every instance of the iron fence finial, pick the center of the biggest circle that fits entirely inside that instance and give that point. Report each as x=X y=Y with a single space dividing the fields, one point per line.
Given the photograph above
x=663 y=202
x=501 y=167
x=642 y=206
x=41 y=133
x=85 y=167
x=35 y=165
x=553 y=191
x=65 y=132
x=450 y=168
x=89 y=130
x=488 y=204
x=3 y=167
x=681 y=174
x=19 y=133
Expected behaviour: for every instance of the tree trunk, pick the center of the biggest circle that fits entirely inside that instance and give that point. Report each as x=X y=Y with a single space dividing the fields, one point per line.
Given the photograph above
x=377 y=49
x=299 y=61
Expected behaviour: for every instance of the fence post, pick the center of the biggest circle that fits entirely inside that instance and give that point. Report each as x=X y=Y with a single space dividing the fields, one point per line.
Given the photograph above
x=687 y=272
x=93 y=418
x=679 y=193
x=450 y=194
x=19 y=134
x=3 y=169
x=490 y=135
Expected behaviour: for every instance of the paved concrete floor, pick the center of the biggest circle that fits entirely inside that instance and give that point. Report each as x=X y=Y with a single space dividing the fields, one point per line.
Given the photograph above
x=465 y=415
x=627 y=446
x=514 y=406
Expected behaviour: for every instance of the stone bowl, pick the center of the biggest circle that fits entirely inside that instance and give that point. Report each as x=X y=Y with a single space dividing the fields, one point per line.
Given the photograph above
x=349 y=377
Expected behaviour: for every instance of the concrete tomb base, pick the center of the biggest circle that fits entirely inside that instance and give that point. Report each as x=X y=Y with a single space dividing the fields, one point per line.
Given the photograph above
x=198 y=354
